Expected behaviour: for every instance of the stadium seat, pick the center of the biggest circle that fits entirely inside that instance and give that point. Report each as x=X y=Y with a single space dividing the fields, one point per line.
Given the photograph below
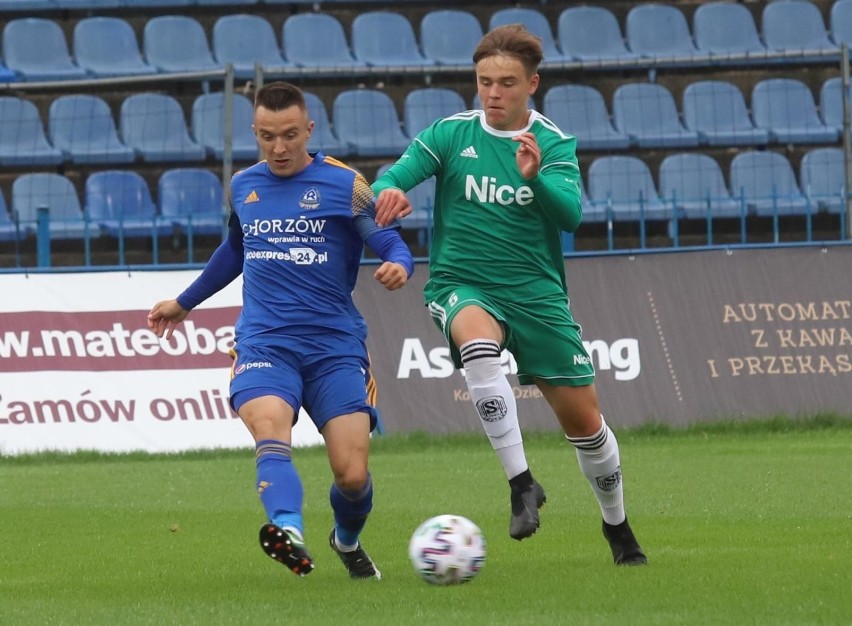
x=89 y=5
x=322 y=137
x=424 y=106
x=795 y=26
x=659 y=30
x=31 y=192
x=580 y=110
x=647 y=113
x=821 y=173
x=831 y=103
x=366 y=120
x=422 y=198
x=208 y=126
x=766 y=183
x=592 y=34
x=215 y=3
x=537 y=23
x=245 y=40
x=107 y=46
x=695 y=185
x=22 y=137
x=36 y=49
x=717 y=111
x=28 y=5
x=317 y=40
x=726 y=29
x=372 y=44
x=158 y=3
x=119 y=202
x=192 y=200
x=624 y=186
x=83 y=128
x=840 y=19
x=785 y=107
x=177 y=43
x=449 y=37
x=154 y=125
x=10 y=230
x=7 y=75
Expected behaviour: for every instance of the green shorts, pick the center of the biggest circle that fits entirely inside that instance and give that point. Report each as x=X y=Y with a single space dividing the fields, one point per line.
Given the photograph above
x=541 y=334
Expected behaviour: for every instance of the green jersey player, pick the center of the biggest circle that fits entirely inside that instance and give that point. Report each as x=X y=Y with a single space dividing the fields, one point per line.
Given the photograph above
x=507 y=184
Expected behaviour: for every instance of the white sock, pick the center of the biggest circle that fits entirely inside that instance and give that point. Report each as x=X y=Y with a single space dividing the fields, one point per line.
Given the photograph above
x=495 y=404
x=601 y=465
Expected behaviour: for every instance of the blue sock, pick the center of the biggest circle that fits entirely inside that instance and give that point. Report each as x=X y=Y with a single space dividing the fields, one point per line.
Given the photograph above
x=278 y=484
x=350 y=511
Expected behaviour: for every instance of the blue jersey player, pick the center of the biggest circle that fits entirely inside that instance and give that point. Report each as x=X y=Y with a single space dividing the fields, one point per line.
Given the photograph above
x=296 y=234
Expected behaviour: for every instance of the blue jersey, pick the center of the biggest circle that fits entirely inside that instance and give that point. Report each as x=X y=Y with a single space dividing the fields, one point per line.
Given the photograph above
x=302 y=240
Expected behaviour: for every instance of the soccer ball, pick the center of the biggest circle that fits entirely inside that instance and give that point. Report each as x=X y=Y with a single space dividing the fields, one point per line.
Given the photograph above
x=447 y=550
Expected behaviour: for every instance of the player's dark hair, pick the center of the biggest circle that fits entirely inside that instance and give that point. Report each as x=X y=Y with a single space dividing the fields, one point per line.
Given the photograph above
x=512 y=40
x=279 y=95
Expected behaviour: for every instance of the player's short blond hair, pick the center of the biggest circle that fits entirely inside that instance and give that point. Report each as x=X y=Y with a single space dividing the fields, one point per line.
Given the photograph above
x=512 y=40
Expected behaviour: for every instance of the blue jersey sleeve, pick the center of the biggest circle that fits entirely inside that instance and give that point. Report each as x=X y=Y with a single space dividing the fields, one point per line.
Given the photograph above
x=225 y=264
x=387 y=243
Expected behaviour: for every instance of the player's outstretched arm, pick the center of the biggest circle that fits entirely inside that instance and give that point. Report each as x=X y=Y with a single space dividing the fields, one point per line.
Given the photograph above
x=165 y=316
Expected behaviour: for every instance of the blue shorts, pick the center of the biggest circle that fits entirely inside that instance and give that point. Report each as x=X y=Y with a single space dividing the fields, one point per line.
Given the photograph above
x=329 y=375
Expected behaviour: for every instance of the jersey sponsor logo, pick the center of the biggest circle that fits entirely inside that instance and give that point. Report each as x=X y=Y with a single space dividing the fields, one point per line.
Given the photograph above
x=252 y=197
x=254 y=365
x=610 y=481
x=299 y=256
x=289 y=225
x=310 y=199
x=581 y=359
x=469 y=152
x=491 y=409
x=486 y=189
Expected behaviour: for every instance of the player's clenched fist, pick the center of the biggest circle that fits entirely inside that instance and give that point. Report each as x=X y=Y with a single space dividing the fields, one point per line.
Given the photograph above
x=391 y=275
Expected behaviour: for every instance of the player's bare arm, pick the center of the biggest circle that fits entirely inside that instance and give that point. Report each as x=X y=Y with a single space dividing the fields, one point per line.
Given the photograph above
x=528 y=156
x=391 y=204
x=164 y=317
x=391 y=275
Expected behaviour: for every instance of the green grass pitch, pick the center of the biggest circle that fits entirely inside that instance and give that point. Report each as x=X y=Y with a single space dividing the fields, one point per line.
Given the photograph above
x=742 y=525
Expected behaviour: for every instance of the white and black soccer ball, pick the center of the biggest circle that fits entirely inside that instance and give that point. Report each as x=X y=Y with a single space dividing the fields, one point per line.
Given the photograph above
x=447 y=550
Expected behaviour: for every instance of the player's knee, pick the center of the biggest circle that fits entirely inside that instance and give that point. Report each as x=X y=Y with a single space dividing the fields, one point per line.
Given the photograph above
x=351 y=479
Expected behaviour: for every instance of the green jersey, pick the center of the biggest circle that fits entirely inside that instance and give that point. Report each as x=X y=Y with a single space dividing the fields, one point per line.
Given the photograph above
x=493 y=229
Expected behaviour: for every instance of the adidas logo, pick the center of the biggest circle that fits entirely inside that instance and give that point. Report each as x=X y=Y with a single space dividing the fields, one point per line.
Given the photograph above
x=252 y=197
x=469 y=152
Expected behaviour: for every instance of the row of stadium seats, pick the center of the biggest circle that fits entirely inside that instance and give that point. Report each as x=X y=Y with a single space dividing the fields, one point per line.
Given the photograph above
x=48 y=5
x=364 y=122
x=36 y=48
x=622 y=188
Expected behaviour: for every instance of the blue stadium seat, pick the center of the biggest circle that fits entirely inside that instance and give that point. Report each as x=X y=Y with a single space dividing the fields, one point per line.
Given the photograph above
x=10 y=229
x=766 y=183
x=580 y=110
x=119 y=202
x=821 y=173
x=245 y=40
x=424 y=106
x=449 y=37
x=215 y=3
x=794 y=26
x=647 y=113
x=592 y=212
x=366 y=120
x=31 y=192
x=317 y=40
x=90 y=5
x=537 y=23
x=717 y=111
x=28 y=5
x=695 y=185
x=36 y=49
x=840 y=20
x=786 y=108
x=177 y=43
x=22 y=137
x=831 y=103
x=154 y=126
x=659 y=30
x=107 y=46
x=208 y=126
x=135 y=4
x=7 y=75
x=322 y=137
x=82 y=127
x=623 y=184
x=422 y=198
x=725 y=29
x=192 y=199
x=592 y=34
x=385 y=39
